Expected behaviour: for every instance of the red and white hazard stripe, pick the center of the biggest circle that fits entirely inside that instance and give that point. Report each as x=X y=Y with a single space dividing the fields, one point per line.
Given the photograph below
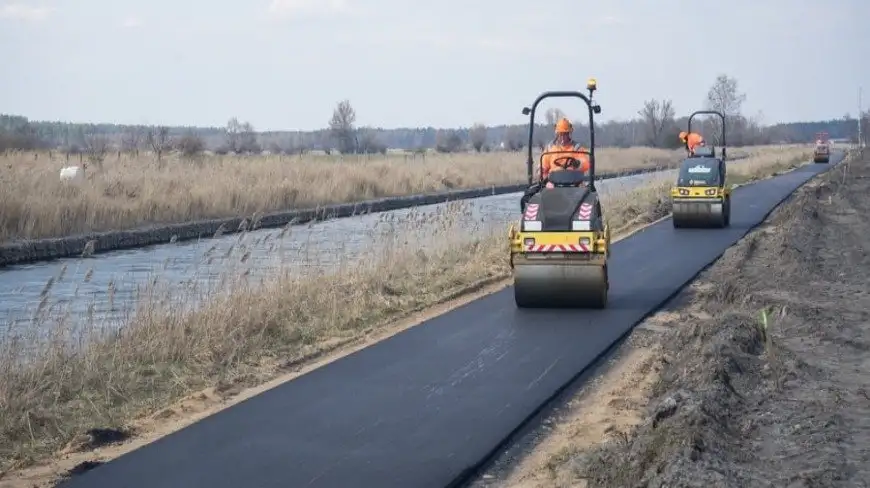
x=585 y=212
x=557 y=248
x=531 y=211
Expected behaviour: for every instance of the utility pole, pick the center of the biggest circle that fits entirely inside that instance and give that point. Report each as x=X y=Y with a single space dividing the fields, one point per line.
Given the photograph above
x=860 y=116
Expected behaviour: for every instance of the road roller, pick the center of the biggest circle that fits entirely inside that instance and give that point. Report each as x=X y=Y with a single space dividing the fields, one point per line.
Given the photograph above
x=560 y=247
x=700 y=197
x=822 y=152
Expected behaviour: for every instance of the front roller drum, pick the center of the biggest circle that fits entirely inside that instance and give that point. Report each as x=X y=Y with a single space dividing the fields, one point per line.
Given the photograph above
x=701 y=214
x=554 y=285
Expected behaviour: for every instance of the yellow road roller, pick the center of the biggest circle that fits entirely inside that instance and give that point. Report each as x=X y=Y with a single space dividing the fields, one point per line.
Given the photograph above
x=822 y=153
x=559 y=249
x=700 y=197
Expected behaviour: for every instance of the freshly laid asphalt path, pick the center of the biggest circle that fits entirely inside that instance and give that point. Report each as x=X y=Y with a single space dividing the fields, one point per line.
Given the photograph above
x=424 y=407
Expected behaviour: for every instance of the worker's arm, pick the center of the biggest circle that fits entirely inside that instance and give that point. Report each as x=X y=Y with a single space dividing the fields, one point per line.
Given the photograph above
x=584 y=162
x=581 y=154
x=546 y=165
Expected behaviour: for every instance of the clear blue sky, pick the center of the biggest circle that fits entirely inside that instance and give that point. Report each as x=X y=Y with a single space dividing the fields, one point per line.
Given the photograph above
x=283 y=64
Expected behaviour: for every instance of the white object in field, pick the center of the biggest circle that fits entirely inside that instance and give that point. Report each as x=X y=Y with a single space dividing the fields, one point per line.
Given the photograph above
x=72 y=174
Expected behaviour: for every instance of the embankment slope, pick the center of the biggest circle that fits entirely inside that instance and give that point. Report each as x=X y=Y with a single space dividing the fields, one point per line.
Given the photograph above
x=740 y=404
x=29 y=251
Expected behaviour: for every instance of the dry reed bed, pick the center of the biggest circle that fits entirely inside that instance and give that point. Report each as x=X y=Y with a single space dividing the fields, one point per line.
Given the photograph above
x=133 y=192
x=57 y=384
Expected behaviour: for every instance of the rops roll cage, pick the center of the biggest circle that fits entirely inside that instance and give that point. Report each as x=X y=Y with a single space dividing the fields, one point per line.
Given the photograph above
x=721 y=116
x=593 y=109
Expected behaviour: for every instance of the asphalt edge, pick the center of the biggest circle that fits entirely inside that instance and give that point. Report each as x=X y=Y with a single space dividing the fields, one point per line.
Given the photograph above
x=471 y=473
x=36 y=250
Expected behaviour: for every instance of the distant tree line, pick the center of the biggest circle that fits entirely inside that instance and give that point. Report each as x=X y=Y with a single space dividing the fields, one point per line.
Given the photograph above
x=656 y=125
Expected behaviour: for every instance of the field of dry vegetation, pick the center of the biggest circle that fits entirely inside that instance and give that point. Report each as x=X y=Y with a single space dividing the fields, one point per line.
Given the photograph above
x=129 y=192
x=58 y=384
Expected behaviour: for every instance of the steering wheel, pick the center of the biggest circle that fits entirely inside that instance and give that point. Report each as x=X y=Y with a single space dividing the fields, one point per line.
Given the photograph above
x=567 y=162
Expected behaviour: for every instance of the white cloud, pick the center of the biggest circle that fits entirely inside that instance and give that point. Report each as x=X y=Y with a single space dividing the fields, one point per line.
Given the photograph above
x=20 y=11
x=297 y=8
x=132 y=22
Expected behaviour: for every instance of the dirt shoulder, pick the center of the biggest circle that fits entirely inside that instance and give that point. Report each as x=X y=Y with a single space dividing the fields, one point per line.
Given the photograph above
x=702 y=394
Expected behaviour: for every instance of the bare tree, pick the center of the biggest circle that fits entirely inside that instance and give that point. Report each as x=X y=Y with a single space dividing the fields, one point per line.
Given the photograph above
x=233 y=134
x=241 y=137
x=514 y=139
x=657 y=117
x=96 y=146
x=581 y=133
x=621 y=134
x=755 y=132
x=367 y=141
x=448 y=141
x=861 y=139
x=858 y=129
x=132 y=138
x=158 y=139
x=190 y=145
x=248 y=139
x=725 y=97
x=341 y=128
x=542 y=136
x=553 y=115
x=477 y=136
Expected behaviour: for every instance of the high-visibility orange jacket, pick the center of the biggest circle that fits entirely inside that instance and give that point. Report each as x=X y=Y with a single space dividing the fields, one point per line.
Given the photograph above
x=557 y=151
x=693 y=141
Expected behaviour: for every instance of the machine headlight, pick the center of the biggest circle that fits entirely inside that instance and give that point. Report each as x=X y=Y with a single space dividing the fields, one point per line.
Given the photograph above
x=585 y=241
x=684 y=192
x=529 y=241
x=711 y=192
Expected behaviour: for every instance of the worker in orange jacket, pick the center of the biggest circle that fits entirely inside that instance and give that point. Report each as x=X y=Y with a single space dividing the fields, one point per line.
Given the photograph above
x=554 y=158
x=562 y=147
x=692 y=141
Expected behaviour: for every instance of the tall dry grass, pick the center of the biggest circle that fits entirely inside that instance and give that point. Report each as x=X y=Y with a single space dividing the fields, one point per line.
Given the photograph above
x=56 y=384
x=134 y=192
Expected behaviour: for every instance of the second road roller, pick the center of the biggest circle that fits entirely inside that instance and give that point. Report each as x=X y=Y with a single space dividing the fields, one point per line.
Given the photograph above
x=700 y=197
x=822 y=151
x=560 y=249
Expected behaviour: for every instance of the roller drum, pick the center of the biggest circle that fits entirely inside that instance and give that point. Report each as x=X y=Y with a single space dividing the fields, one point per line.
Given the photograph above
x=699 y=214
x=554 y=285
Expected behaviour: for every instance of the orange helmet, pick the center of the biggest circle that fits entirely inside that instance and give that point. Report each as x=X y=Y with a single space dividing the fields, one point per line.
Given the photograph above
x=564 y=126
x=683 y=135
